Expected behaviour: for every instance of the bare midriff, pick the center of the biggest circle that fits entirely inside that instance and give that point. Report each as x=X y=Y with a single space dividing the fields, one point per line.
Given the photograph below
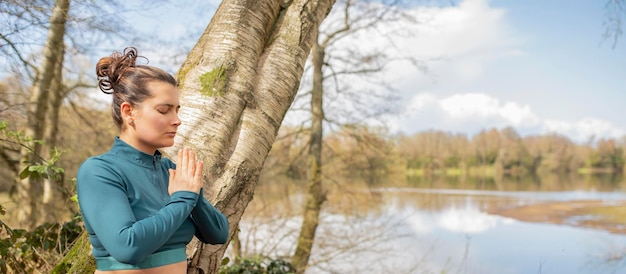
x=176 y=268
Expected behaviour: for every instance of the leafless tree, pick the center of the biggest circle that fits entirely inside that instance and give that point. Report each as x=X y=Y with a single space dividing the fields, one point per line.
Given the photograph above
x=335 y=68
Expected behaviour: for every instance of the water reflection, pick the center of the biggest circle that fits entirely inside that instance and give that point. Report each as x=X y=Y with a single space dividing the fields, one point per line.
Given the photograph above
x=606 y=256
x=549 y=182
x=440 y=225
x=468 y=220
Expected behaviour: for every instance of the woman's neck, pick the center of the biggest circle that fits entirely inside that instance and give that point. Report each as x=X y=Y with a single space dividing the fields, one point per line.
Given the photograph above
x=136 y=143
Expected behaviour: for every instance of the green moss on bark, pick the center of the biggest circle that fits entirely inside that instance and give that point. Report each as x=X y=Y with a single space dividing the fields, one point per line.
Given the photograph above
x=78 y=259
x=181 y=76
x=213 y=82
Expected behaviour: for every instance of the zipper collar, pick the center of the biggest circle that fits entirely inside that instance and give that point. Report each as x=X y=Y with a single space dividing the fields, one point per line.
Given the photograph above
x=129 y=153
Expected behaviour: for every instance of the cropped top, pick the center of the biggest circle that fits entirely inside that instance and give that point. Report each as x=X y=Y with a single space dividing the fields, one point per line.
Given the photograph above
x=130 y=216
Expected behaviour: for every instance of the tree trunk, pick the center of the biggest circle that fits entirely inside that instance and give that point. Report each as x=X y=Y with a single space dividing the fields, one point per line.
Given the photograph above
x=236 y=86
x=236 y=243
x=315 y=196
x=52 y=207
x=29 y=190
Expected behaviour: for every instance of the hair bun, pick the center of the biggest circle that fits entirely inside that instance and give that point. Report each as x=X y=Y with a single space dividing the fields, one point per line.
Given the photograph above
x=110 y=69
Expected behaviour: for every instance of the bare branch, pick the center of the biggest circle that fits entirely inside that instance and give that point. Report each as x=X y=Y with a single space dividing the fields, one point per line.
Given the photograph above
x=346 y=26
x=615 y=13
x=27 y=65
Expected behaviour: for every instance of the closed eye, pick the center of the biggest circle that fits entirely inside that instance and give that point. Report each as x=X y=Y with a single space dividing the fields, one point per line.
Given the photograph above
x=165 y=108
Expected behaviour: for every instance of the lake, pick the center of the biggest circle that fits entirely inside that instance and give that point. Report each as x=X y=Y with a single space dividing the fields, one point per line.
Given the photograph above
x=437 y=225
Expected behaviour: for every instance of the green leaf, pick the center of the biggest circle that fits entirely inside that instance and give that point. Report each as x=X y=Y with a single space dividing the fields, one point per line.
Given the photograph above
x=38 y=171
x=225 y=261
x=25 y=173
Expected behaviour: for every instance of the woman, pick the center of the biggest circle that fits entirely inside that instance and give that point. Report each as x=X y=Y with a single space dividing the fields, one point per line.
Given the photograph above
x=140 y=209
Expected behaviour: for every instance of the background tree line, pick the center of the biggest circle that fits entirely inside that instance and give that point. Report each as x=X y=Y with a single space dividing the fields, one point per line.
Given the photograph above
x=370 y=152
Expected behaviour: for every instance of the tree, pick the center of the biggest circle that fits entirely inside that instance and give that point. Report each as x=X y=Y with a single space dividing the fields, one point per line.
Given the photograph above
x=554 y=153
x=236 y=86
x=28 y=189
x=359 y=152
x=252 y=93
x=41 y=65
x=315 y=195
x=510 y=153
x=353 y=17
x=486 y=145
x=13 y=97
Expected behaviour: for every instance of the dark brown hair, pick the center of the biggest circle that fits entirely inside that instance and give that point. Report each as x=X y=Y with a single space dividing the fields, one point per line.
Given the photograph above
x=120 y=76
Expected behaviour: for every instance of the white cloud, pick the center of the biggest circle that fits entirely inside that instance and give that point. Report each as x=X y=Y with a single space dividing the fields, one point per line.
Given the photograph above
x=456 y=41
x=472 y=112
x=466 y=109
x=472 y=105
x=461 y=30
x=462 y=39
x=582 y=130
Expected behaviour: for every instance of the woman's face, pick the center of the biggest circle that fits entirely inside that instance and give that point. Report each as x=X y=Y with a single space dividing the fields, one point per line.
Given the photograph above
x=156 y=118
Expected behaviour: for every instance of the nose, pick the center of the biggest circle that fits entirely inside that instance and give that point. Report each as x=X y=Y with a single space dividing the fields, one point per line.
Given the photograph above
x=177 y=121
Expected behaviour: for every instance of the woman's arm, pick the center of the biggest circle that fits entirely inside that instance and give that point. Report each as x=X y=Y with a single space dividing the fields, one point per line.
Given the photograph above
x=105 y=207
x=211 y=224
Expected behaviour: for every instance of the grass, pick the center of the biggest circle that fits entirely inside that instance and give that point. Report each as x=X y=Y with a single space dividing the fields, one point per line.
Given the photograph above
x=479 y=171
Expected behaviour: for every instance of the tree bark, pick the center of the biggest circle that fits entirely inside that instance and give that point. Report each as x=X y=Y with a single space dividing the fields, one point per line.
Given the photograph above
x=28 y=190
x=315 y=195
x=237 y=84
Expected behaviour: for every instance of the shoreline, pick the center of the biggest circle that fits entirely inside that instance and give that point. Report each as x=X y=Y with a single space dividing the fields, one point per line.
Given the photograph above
x=594 y=214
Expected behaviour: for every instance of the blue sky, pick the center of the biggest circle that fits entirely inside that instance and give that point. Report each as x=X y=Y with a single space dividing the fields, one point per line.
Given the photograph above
x=537 y=66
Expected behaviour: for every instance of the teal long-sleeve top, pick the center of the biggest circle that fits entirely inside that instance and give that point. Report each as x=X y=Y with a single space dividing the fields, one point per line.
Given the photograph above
x=128 y=212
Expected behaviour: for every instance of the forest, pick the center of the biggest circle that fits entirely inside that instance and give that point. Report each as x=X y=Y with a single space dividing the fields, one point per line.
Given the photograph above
x=51 y=120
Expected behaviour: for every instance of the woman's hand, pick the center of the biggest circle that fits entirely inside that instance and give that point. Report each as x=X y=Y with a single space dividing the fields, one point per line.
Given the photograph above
x=188 y=173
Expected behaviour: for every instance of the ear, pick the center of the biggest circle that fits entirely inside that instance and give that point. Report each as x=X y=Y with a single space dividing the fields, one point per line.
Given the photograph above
x=126 y=110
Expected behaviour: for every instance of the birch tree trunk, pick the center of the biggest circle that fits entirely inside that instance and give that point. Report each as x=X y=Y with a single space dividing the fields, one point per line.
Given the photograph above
x=28 y=191
x=315 y=196
x=236 y=86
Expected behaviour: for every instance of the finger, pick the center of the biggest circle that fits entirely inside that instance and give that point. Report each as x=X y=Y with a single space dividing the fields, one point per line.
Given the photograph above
x=199 y=169
x=179 y=160
x=185 y=160
x=170 y=183
x=192 y=163
x=172 y=174
x=189 y=163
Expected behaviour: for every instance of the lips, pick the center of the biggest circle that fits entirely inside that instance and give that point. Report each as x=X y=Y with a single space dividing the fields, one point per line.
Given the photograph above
x=171 y=133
